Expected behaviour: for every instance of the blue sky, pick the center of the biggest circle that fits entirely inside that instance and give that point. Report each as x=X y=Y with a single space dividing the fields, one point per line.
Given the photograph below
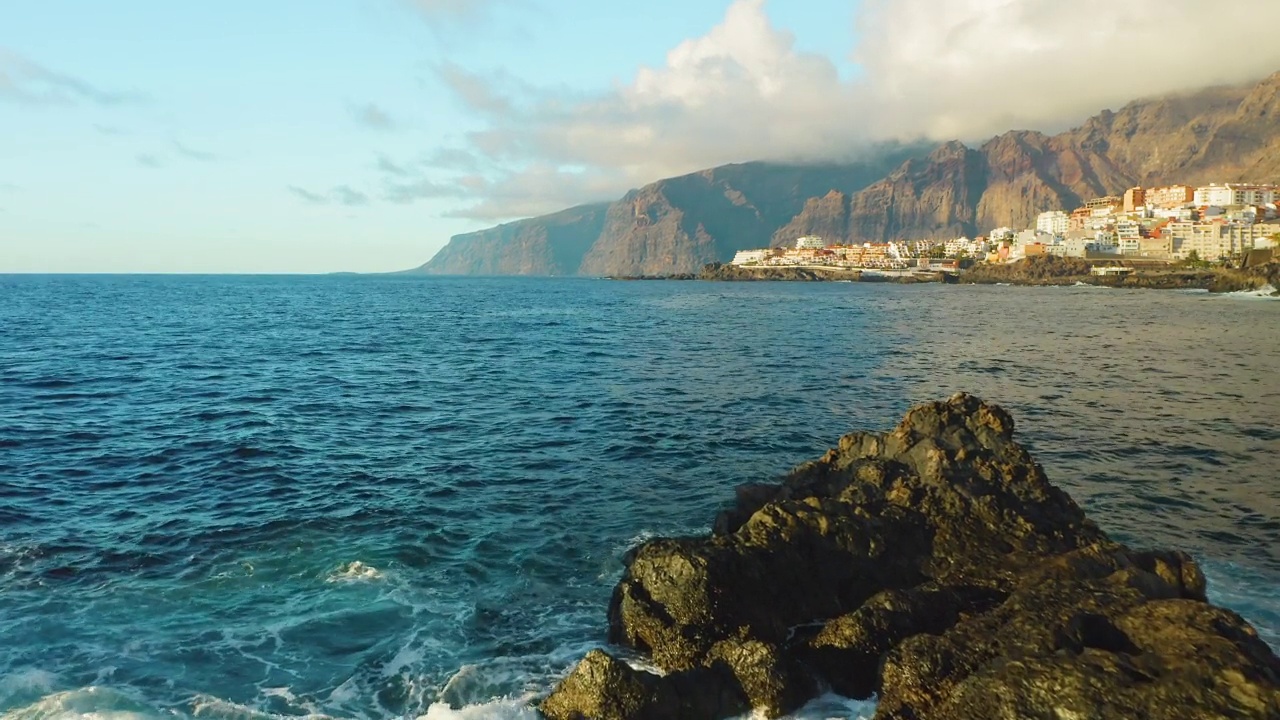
x=328 y=135
x=173 y=132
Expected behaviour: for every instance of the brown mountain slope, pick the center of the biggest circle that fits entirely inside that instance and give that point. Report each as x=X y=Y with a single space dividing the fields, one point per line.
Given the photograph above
x=547 y=245
x=677 y=225
x=1215 y=135
x=673 y=225
x=826 y=217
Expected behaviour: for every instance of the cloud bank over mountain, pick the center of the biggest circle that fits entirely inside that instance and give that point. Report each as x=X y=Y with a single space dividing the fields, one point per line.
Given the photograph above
x=966 y=69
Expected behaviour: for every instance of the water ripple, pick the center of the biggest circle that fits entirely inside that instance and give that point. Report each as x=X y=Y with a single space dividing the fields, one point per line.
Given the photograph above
x=264 y=497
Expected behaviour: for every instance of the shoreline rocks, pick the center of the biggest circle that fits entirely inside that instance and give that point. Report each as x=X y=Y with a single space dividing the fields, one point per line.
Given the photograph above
x=1039 y=271
x=1051 y=270
x=934 y=566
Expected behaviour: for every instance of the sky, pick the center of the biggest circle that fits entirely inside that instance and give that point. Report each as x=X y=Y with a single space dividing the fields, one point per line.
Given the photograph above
x=360 y=135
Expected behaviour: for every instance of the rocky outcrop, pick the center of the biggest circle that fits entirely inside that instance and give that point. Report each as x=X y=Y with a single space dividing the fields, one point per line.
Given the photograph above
x=936 y=567
x=896 y=192
x=721 y=271
x=1052 y=270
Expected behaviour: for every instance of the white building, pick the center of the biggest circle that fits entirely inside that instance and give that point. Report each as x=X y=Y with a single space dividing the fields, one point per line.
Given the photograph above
x=1105 y=241
x=1054 y=222
x=1246 y=215
x=1000 y=235
x=1076 y=245
x=750 y=257
x=810 y=242
x=1217 y=241
x=1128 y=233
x=1235 y=194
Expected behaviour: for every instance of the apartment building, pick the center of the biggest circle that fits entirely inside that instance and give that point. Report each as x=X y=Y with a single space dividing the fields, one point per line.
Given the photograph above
x=1054 y=222
x=1170 y=197
x=1234 y=194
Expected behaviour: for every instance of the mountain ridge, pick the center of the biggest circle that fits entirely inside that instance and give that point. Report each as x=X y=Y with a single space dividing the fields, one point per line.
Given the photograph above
x=908 y=191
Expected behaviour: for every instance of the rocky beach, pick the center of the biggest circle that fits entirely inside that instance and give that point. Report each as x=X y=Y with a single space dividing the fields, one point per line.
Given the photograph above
x=1049 y=270
x=935 y=567
x=1039 y=271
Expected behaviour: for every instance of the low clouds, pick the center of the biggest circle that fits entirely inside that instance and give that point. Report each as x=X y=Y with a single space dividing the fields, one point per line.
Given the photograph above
x=191 y=153
x=29 y=83
x=445 y=12
x=180 y=151
x=372 y=117
x=965 y=69
x=973 y=68
x=340 y=195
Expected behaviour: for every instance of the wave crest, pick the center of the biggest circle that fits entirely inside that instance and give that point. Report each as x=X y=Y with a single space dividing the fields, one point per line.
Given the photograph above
x=355 y=572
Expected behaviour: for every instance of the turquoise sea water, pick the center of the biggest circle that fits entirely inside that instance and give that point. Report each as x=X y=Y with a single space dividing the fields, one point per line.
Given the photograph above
x=376 y=497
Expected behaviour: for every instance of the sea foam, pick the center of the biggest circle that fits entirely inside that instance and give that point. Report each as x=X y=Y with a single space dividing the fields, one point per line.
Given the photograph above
x=355 y=572
x=1266 y=292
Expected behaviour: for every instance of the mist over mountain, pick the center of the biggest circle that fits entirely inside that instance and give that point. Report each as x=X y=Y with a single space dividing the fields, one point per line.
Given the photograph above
x=925 y=190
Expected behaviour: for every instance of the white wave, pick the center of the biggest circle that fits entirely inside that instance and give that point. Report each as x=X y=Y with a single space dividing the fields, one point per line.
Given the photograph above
x=636 y=541
x=355 y=572
x=521 y=708
x=1266 y=292
x=830 y=707
x=90 y=703
x=827 y=707
x=207 y=706
x=26 y=683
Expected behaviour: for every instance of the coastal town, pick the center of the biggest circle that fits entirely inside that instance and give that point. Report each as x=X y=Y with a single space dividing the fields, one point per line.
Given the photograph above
x=1217 y=223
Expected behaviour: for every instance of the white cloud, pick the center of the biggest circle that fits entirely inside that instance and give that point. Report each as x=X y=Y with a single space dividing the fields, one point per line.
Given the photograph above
x=371 y=116
x=970 y=68
x=443 y=13
x=964 y=69
x=25 y=81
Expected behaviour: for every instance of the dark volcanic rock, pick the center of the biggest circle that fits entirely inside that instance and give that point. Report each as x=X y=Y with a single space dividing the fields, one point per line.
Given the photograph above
x=936 y=567
x=722 y=271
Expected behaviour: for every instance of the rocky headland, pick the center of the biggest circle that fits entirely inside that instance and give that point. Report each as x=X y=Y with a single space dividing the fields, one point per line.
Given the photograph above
x=892 y=192
x=934 y=567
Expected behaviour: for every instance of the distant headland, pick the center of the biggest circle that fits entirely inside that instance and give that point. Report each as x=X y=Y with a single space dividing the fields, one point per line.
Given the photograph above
x=1158 y=177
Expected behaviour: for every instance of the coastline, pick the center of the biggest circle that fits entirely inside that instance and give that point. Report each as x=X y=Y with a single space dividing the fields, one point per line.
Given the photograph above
x=1037 y=273
x=720 y=272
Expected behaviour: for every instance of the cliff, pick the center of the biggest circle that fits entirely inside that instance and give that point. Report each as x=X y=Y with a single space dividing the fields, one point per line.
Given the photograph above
x=918 y=191
x=547 y=245
x=675 y=225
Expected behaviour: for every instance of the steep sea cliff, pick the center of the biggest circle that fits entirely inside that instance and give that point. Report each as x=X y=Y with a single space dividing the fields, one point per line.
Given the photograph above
x=940 y=191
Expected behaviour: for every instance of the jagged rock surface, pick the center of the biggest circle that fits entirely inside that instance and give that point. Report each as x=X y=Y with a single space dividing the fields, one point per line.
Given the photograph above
x=936 y=567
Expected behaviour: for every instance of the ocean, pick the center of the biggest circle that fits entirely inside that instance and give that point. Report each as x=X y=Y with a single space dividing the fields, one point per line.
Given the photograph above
x=391 y=496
